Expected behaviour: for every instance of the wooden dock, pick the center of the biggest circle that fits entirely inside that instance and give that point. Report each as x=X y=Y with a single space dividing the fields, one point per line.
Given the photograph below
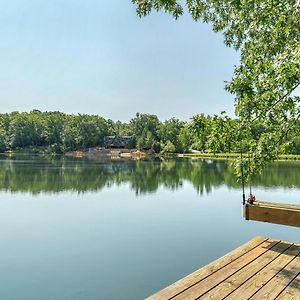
x=260 y=269
x=277 y=213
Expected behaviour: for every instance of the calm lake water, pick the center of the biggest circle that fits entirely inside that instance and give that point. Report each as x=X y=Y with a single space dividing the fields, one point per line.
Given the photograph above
x=83 y=229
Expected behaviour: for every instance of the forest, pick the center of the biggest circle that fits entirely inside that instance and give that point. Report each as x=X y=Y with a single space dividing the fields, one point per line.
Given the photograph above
x=57 y=132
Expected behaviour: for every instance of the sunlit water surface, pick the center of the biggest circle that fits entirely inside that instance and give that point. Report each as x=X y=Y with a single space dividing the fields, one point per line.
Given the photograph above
x=76 y=229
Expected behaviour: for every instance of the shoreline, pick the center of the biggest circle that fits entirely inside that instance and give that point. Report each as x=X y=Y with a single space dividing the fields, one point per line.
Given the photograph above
x=229 y=156
x=137 y=154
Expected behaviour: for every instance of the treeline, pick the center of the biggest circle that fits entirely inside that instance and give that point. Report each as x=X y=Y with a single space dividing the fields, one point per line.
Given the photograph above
x=59 y=132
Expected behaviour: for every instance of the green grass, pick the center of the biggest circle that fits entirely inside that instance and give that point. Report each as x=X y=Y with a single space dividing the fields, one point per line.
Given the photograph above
x=232 y=156
x=289 y=157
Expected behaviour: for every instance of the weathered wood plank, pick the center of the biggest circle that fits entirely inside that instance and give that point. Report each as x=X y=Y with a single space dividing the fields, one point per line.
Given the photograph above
x=204 y=272
x=292 y=292
x=274 y=287
x=272 y=214
x=237 y=279
x=256 y=282
x=202 y=287
x=260 y=269
x=277 y=205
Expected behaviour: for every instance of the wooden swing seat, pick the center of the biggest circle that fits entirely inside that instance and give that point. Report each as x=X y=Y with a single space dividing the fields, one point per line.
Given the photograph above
x=270 y=212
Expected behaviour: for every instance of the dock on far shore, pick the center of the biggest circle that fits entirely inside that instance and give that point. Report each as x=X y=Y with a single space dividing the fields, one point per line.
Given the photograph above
x=262 y=268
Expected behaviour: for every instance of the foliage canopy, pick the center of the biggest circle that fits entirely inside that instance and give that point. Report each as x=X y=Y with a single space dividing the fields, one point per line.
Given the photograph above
x=264 y=84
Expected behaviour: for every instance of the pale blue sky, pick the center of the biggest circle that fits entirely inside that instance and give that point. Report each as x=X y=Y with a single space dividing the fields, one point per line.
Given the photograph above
x=98 y=57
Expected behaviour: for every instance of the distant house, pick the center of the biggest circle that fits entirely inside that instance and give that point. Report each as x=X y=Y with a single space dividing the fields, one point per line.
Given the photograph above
x=116 y=141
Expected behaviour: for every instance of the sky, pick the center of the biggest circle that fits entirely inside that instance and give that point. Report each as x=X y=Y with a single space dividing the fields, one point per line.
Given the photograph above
x=98 y=57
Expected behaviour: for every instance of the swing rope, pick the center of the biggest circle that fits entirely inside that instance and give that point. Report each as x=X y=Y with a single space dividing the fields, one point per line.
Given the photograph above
x=249 y=162
x=242 y=170
x=242 y=165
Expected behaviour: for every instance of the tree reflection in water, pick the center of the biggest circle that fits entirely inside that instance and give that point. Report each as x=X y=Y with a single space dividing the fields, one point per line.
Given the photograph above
x=37 y=174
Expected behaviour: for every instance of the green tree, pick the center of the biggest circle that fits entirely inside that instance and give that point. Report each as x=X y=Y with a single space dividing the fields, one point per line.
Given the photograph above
x=224 y=135
x=53 y=127
x=92 y=130
x=70 y=135
x=185 y=138
x=169 y=147
x=3 y=142
x=266 y=33
x=120 y=128
x=25 y=129
x=169 y=131
x=144 y=129
x=83 y=131
x=3 y=132
x=201 y=127
x=292 y=145
x=214 y=141
x=230 y=134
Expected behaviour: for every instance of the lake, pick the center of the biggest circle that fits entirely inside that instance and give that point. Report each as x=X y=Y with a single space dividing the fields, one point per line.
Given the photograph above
x=87 y=229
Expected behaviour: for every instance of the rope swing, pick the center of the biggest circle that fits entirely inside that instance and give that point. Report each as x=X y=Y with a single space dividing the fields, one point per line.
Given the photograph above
x=251 y=197
x=242 y=170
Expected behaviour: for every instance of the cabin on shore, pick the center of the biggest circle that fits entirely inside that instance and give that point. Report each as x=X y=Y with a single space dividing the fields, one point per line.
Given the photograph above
x=116 y=141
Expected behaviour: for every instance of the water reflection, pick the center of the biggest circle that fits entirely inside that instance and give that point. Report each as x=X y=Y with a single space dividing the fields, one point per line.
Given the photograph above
x=36 y=174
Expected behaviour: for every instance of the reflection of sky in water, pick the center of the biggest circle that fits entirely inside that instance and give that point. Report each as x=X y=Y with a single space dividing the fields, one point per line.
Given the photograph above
x=113 y=244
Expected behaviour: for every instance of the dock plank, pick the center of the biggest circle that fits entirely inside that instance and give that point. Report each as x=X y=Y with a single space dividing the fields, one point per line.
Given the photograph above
x=239 y=278
x=260 y=279
x=274 y=287
x=213 y=280
x=292 y=291
x=260 y=269
x=183 y=284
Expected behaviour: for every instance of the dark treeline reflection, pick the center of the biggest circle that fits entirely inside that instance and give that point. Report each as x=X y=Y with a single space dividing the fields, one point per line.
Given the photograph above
x=35 y=175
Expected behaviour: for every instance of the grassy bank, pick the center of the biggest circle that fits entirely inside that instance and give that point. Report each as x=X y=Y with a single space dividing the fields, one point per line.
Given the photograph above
x=232 y=156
